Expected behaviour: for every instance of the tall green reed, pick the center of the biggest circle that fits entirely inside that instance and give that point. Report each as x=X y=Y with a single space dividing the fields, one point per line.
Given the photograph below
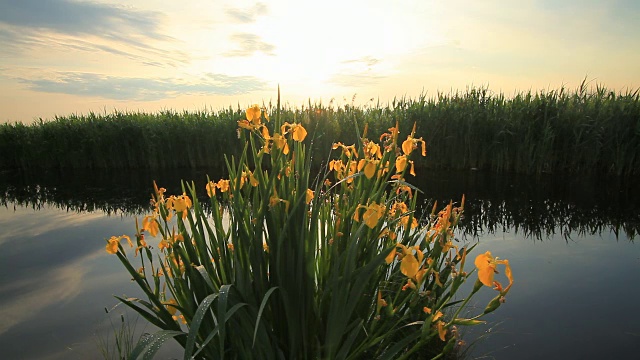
x=587 y=131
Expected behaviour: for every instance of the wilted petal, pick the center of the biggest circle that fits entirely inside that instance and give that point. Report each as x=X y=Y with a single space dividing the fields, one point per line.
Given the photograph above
x=252 y=180
x=381 y=302
x=441 y=331
x=126 y=237
x=438 y=315
x=508 y=271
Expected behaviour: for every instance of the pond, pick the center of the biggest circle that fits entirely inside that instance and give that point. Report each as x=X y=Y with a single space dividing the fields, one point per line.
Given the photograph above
x=571 y=243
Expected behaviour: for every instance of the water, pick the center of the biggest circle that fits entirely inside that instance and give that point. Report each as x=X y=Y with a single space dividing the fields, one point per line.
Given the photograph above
x=571 y=244
x=570 y=300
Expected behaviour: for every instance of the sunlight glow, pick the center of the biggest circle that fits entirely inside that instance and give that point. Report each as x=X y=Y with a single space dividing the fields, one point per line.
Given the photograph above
x=152 y=55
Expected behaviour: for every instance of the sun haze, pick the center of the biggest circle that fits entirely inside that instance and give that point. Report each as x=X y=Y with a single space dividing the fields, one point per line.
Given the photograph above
x=67 y=56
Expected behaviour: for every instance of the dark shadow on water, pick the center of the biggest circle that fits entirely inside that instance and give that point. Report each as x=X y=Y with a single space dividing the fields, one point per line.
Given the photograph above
x=534 y=207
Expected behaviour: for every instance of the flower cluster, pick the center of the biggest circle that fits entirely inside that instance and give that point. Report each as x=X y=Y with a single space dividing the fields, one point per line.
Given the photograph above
x=349 y=242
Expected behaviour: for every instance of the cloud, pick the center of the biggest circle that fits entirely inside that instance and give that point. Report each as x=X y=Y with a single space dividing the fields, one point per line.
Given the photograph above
x=249 y=44
x=86 y=26
x=355 y=80
x=369 y=61
x=141 y=89
x=247 y=15
x=358 y=72
x=15 y=43
x=81 y=18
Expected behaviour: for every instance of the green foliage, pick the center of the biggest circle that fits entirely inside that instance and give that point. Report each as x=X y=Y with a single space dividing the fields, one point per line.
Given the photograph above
x=121 y=340
x=119 y=141
x=286 y=266
x=585 y=131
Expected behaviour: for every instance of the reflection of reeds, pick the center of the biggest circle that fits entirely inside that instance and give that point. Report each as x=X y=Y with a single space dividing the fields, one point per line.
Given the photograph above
x=535 y=209
x=554 y=131
x=543 y=220
x=540 y=207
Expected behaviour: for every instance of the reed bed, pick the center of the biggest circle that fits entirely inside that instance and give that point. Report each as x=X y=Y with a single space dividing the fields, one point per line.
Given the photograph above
x=585 y=131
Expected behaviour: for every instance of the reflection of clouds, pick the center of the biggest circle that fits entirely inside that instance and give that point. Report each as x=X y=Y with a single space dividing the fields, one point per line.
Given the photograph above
x=40 y=291
x=49 y=253
x=25 y=222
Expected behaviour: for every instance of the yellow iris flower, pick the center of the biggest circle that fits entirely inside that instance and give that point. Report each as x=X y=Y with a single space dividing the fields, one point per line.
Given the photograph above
x=409 y=265
x=211 y=188
x=372 y=150
x=346 y=150
x=412 y=143
x=171 y=306
x=369 y=167
x=309 y=196
x=253 y=114
x=372 y=215
x=391 y=256
x=299 y=132
x=223 y=185
x=114 y=242
x=150 y=224
x=487 y=268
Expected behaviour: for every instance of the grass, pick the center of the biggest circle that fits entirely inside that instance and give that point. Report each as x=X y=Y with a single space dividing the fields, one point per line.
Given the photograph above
x=586 y=131
x=121 y=339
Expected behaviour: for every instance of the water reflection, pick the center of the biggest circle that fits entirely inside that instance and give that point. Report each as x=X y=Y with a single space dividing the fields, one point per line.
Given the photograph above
x=56 y=281
x=57 y=278
x=535 y=208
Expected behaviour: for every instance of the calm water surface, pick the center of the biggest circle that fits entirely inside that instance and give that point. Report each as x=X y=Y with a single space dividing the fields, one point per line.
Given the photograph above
x=571 y=244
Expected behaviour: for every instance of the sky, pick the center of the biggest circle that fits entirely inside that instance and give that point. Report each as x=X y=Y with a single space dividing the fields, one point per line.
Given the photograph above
x=61 y=57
